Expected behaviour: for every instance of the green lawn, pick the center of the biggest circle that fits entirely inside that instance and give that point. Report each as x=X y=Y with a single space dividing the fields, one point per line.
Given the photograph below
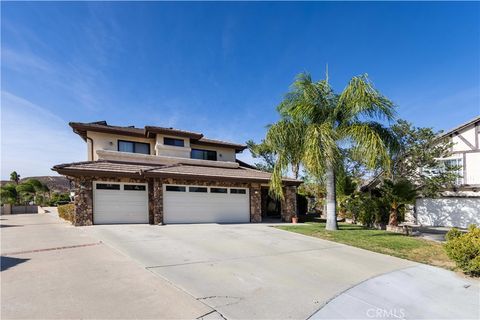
x=390 y=243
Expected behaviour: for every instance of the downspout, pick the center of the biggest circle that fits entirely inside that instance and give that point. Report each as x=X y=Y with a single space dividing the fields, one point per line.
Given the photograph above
x=91 y=145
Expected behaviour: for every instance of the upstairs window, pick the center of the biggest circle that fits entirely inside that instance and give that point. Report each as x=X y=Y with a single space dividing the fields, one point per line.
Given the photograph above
x=133 y=147
x=204 y=154
x=457 y=165
x=173 y=142
x=453 y=163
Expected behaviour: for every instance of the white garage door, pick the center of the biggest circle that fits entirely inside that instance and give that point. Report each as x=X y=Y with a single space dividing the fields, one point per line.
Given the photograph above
x=448 y=212
x=115 y=202
x=200 y=204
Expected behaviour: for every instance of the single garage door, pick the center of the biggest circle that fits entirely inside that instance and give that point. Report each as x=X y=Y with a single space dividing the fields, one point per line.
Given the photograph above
x=200 y=204
x=115 y=202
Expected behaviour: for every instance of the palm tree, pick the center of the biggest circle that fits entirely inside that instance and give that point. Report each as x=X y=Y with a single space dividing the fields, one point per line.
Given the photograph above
x=397 y=195
x=329 y=121
x=286 y=138
x=263 y=151
x=15 y=177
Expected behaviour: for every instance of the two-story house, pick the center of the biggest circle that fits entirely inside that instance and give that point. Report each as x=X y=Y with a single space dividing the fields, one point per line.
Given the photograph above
x=460 y=206
x=163 y=175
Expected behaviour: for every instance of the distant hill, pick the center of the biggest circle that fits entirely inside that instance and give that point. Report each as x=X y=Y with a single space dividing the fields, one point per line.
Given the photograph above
x=54 y=183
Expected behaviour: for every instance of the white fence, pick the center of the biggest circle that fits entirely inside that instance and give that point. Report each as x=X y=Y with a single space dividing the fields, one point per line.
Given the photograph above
x=448 y=212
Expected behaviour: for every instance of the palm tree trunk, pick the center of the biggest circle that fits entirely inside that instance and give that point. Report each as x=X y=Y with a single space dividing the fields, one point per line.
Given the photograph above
x=295 y=169
x=331 y=199
x=393 y=218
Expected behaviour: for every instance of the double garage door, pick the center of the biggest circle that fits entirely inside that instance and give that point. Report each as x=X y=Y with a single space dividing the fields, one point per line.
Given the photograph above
x=128 y=203
x=201 y=204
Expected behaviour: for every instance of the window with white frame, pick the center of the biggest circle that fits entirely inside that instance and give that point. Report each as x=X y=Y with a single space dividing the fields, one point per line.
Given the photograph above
x=456 y=163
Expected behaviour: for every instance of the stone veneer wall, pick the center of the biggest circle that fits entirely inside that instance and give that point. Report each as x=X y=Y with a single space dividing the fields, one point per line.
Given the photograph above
x=83 y=202
x=151 y=201
x=289 y=203
x=83 y=187
x=83 y=199
x=255 y=203
x=157 y=201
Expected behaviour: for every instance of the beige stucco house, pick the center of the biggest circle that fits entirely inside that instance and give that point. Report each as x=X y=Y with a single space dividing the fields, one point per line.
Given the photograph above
x=163 y=175
x=459 y=206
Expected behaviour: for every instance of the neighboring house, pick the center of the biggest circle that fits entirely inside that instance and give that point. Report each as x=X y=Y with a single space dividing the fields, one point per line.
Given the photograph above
x=460 y=206
x=163 y=175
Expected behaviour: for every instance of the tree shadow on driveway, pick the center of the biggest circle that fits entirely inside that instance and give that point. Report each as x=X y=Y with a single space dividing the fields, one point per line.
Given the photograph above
x=10 y=225
x=9 y=262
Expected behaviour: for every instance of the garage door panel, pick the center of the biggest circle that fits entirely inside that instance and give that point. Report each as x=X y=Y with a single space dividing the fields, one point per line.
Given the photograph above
x=199 y=207
x=120 y=206
x=109 y=218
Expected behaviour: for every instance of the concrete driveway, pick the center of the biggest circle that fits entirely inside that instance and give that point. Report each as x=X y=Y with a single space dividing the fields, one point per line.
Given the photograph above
x=254 y=271
x=52 y=270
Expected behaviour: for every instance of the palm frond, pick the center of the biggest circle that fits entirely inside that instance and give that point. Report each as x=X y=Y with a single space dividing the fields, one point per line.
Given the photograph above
x=320 y=148
x=361 y=99
x=371 y=143
x=276 y=185
x=308 y=101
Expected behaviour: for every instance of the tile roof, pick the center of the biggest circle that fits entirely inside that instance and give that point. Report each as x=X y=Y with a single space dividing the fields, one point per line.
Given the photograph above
x=173 y=131
x=104 y=166
x=116 y=168
x=149 y=131
x=206 y=141
x=82 y=128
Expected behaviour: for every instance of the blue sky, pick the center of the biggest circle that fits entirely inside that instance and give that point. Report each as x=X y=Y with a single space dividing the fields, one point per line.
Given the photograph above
x=219 y=68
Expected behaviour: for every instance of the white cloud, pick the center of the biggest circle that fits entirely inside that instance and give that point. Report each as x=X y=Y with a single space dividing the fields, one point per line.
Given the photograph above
x=34 y=139
x=24 y=61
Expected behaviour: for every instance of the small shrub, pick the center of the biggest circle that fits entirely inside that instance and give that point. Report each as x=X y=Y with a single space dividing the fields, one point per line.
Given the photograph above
x=66 y=211
x=453 y=234
x=464 y=249
x=59 y=198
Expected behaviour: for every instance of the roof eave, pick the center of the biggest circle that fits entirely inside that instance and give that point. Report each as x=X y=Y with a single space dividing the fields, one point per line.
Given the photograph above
x=97 y=173
x=458 y=128
x=151 y=131
x=81 y=129
x=215 y=178
x=238 y=148
x=150 y=174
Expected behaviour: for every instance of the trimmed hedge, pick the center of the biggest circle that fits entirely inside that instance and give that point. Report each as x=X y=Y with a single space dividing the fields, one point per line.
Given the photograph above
x=464 y=249
x=66 y=211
